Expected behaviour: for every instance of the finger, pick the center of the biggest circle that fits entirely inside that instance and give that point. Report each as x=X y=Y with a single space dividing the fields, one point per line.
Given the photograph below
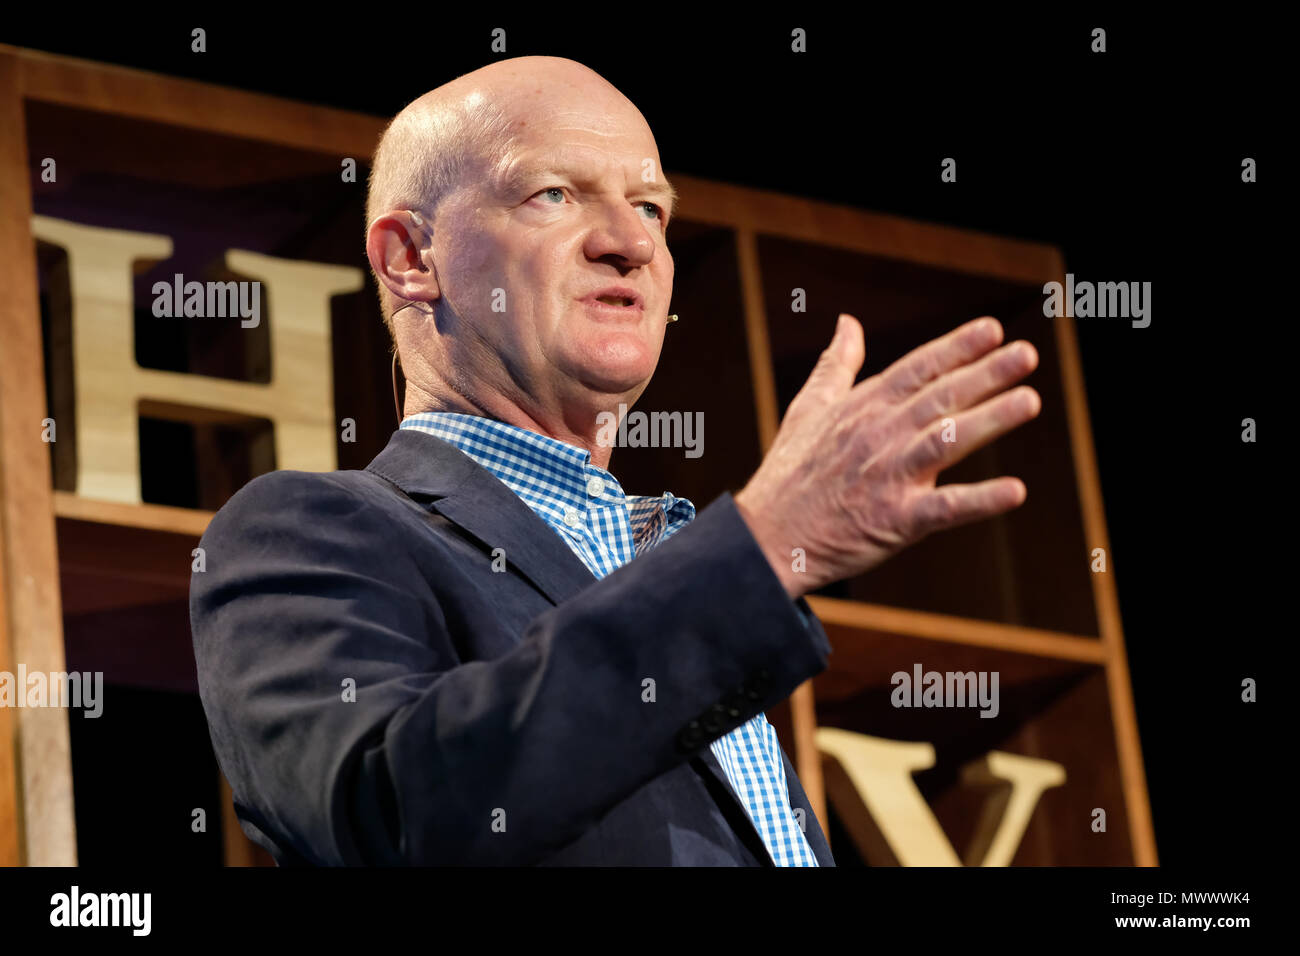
x=951 y=505
x=950 y=440
x=927 y=362
x=963 y=388
x=841 y=361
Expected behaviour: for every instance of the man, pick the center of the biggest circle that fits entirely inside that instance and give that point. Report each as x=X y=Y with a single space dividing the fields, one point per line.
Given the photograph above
x=451 y=657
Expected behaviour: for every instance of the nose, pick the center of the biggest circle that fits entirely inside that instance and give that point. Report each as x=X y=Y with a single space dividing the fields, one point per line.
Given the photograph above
x=620 y=232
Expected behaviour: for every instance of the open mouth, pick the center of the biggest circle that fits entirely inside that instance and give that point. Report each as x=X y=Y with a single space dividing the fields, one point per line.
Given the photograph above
x=615 y=300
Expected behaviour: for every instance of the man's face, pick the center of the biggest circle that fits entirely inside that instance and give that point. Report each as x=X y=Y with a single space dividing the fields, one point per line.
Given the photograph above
x=525 y=250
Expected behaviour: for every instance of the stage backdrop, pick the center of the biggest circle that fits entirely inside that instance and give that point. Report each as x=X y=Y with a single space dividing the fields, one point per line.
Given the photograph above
x=126 y=419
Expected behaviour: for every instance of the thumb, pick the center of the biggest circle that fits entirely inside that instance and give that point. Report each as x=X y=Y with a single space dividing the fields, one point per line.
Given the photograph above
x=833 y=375
x=842 y=360
x=849 y=344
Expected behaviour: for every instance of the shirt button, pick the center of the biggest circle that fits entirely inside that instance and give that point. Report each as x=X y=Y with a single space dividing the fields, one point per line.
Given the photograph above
x=596 y=487
x=571 y=518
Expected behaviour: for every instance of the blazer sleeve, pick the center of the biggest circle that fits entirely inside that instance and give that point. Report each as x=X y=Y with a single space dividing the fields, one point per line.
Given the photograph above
x=353 y=734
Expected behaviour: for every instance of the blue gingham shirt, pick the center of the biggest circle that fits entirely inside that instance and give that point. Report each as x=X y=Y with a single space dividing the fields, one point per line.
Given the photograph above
x=586 y=507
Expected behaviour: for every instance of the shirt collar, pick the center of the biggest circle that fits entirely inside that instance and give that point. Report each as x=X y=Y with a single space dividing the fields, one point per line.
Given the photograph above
x=550 y=476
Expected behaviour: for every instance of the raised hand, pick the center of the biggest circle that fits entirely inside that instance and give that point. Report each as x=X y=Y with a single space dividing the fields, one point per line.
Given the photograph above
x=851 y=476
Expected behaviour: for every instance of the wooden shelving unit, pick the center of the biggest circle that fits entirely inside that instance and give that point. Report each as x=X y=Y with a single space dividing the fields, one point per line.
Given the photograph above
x=182 y=521
x=1014 y=595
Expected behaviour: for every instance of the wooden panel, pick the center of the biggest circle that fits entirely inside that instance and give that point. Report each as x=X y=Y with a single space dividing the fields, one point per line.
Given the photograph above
x=126 y=600
x=322 y=135
x=702 y=373
x=1052 y=709
x=11 y=837
x=844 y=227
x=1028 y=567
x=1088 y=480
x=756 y=335
x=802 y=707
x=31 y=583
x=10 y=793
x=867 y=618
x=287 y=204
x=127 y=92
x=152 y=517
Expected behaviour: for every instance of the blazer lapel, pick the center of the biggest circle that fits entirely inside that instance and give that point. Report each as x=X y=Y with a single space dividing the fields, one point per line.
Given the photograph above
x=441 y=477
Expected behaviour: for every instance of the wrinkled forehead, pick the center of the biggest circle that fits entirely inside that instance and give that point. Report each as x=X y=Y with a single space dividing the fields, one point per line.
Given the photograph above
x=559 y=127
x=586 y=136
x=613 y=126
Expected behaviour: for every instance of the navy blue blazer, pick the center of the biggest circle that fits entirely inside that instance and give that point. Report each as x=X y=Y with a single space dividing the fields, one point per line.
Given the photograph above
x=378 y=694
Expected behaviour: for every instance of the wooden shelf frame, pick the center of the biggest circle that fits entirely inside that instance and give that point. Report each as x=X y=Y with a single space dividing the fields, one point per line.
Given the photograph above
x=977 y=254
x=147 y=517
x=36 y=820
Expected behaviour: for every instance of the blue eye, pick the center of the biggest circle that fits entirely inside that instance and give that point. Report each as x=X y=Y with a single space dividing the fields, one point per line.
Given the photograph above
x=553 y=189
x=659 y=213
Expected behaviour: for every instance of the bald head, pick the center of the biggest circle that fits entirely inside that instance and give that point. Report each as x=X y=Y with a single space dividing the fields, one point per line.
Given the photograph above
x=517 y=228
x=466 y=128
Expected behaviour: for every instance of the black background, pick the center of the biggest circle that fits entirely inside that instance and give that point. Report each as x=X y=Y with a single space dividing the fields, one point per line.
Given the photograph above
x=1130 y=161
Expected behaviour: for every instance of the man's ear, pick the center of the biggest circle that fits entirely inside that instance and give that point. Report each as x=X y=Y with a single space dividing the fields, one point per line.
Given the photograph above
x=400 y=249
